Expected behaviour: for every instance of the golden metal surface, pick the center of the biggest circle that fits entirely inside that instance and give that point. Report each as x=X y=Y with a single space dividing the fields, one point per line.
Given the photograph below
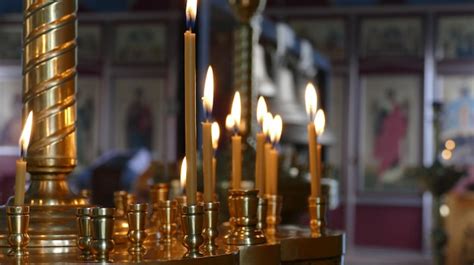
x=317 y=214
x=275 y=203
x=84 y=227
x=262 y=213
x=18 y=218
x=192 y=223
x=167 y=212
x=137 y=215
x=246 y=9
x=102 y=233
x=243 y=204
x=211 y=231
x=121 y=200
x=49 y=82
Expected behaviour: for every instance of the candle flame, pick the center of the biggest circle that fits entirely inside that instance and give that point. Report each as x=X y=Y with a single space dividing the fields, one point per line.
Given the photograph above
x=191 y=10
x=236 y=111
x=208 y=98
x=267 y=123
x=277 y=128
x=215 y=134
x=261 y=110
x=183 y=173
x=229 y=122
x=320 y=122
x=311 y=100
x=26 y=133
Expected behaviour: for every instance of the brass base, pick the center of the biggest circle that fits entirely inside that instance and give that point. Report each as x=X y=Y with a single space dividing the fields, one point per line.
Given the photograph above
x=262 y=213
x=273 y=214
x=210 y=232
x=317 y=214
x=167 y=212
x=244 y=204
x=52 y=213
x=18 y=220
x=192 y=222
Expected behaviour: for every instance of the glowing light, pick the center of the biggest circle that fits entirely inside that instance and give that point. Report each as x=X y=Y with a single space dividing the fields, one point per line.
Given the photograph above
x=26 y=133
x=277 y=128
x=183 y=174
x=320 y=122
x=267 y=123
x=208 y=98
x=215 y=134
x=261 y=110
x=311 y=100
x=450 y=144
x=229 y=123
x=444 y=210
x=236 y=110
x=446 y=154
x=191 y=10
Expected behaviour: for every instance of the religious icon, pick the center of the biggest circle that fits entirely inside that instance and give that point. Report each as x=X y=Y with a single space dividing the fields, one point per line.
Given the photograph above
x=455 y=37
x=390 y=131
x=139 y=124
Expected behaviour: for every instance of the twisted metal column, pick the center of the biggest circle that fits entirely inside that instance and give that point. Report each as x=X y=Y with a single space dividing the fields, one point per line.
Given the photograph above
x=49 y=88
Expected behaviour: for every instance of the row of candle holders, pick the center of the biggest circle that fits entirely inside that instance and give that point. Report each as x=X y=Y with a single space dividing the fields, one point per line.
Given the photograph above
x=252 y=220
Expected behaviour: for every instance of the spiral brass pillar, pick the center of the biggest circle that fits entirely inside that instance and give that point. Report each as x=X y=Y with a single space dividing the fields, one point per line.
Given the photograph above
x=49 y=88
x=243 y=45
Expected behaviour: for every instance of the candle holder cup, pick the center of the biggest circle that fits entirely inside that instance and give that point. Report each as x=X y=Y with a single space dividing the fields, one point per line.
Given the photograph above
x=192 y=223
x=158 y=192
x=262 y=213
x=84 y=228
x=317 y=214
x=122 y=199
x=210 y=232
x=243 y=205
x=18 y=219
x=137 y=214
x=102 y=233
x=167 y=216
x=273 y=214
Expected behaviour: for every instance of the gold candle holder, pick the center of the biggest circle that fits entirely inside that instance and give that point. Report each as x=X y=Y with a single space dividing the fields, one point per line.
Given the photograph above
x=182 y=201
x=102 y=233
x=192 y=223
x=262 y=213
x=137 y=214
x=121 y=200
x=273 y=214
x=243 y=204
x=84 y=228
x=167 y=217
x=18 y=219
x=158 y=192
x=210 y=232
x=317 y=214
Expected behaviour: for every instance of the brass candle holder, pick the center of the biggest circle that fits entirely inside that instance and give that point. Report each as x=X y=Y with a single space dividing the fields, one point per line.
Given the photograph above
x=192 y=223
x=121 y=200
x=102 y=233
x=262 y=213
x=137 y=214
x=84 y=228
x=210 y=232
x=18 y=219
x=243 y=204
x=158 y=192
x=181 y=202
x=273 y=214
x=317 y=214
x=167 y=216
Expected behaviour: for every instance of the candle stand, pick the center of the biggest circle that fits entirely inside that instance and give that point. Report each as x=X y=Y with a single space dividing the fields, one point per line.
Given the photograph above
x=273 y=214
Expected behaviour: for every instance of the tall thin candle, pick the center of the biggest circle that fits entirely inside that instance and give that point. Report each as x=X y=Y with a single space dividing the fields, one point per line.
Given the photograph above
x=319 y=122
x=215 y=143
x=311 y=108
x=190 y=101
x=275 y=136
x=260 y=137
x=236 y=141
x=207 y=101
x=267 y=124
x=20 y=178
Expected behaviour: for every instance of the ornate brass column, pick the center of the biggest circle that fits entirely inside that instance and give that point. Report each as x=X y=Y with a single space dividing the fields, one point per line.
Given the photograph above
x=49 y=88
x=243 y=41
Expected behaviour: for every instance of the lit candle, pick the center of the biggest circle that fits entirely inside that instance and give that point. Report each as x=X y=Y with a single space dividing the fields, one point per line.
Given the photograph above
x=182 y=175
x=275 y=135
x=311 y=99
x=259 y=160
x=267 y=126
x=233 y=122
x=319 y=123
x=20 y=178
x=215 y=143
x=207 y=102
x=190 y=101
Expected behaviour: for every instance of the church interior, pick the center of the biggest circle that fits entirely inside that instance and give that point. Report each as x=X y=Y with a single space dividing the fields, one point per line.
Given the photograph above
x=237 y=132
